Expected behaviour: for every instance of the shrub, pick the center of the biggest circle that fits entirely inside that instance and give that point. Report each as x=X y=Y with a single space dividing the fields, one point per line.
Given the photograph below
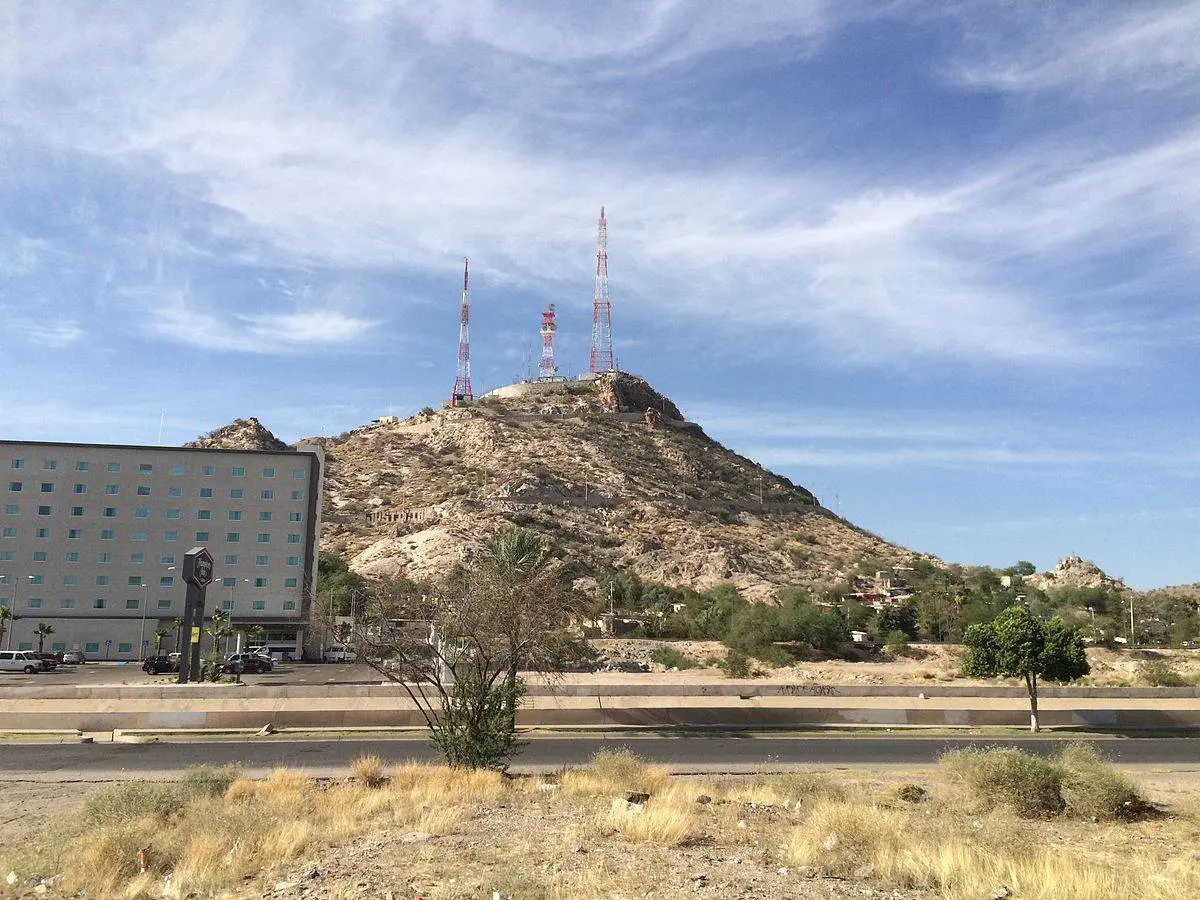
x=132 y=800
x=1009 y=777
x=1160 y=673
x=736 y=664
x=896 y=643
x=369 y=770
x=672 y=658
x=1092 y=789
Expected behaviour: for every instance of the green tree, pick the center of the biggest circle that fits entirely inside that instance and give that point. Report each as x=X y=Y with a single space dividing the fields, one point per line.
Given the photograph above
x=6 y=616
x=1018 y=645
x=43 y=631
x=160 y=635
x=337 y=587
x=218 y=631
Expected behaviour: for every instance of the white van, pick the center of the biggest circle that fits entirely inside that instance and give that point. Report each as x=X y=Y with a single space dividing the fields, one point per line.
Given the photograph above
x=340 y=653
x=20 y=661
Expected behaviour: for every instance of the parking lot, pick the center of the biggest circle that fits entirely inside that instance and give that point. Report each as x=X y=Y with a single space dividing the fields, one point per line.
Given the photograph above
x=131 y=673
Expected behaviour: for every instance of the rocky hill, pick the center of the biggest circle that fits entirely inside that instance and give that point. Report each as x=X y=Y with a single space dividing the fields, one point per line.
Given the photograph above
x=608 y=469
x=240 y=434
x=1073 y=571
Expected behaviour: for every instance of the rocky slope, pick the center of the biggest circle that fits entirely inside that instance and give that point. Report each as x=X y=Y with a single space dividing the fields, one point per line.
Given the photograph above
x=1072 y=571
x=240 y=434
x=614 y=485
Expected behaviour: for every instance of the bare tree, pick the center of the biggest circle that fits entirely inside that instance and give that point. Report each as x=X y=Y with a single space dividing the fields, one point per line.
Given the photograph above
x=458 y=652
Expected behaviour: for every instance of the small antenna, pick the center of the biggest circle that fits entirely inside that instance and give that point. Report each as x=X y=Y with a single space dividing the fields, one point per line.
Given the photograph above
x=161 y=419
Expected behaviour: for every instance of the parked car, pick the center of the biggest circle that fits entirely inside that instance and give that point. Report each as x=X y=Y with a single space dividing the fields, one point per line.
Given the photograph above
x=339 y=653
x=74 y=658
x=156 y=665
x=49 y=660
x=252 y=663
x=21 y=661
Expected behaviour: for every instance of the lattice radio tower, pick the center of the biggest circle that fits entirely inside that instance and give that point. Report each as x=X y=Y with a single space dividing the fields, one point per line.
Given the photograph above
x=601 y=359
x=546 y=367
x=462 y=380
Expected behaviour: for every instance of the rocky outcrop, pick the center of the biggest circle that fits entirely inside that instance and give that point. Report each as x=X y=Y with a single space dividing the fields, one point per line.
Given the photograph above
x=240 y=434
x=621 y=392
x=1074 y=571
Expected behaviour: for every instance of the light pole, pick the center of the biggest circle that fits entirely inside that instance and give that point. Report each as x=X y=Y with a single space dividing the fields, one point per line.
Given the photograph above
x=12 y=617
x=232 y=603
x=142 y=634
x=1132 y=632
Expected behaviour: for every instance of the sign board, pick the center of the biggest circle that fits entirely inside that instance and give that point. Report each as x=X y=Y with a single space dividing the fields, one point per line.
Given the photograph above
x=195 y=635
x=198 y=567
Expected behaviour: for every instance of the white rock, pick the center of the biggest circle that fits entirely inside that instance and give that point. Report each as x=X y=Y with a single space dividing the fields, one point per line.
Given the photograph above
x=12 y=878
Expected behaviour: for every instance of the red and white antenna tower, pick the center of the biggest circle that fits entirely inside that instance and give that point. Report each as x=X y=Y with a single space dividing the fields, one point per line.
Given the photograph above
x=601 y=359
x=462 y=381
x=546 y=368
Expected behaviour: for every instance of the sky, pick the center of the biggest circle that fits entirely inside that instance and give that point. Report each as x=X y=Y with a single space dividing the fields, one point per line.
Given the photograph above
x=936 y=261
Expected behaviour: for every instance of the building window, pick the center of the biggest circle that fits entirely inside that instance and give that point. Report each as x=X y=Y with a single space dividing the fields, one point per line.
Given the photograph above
x=132 y=603
x=138 y=536
x=91 y=647
x=74 y=534
x=267 y=495
x=166 y=580
x=49 y=464
x=227 y=605
x=236 y=471
x=289 y=605
x=264 y=537
x=233 y=537
x=35 y=579
x=170 y=535
x=164 y=603
x=293 y=560
x=104 y=557
x=258 y=604
x=25 y=645
x=289 y=582
x=3 y=580
x=145 y=469
x=18 y=463
x=260 y=560
x=41 y=532
x=297 y=473
x=297 y=495
x=295 y=517
x=77 y=511
x=293 y=538
x=12 y=509
x=231 y=559
x=235 y=515
x=236 y=494
x=110 y=512
x=44 y=510
x=143 y=490
x=79 y=488
x=73 y=556
x=135 y=581
x=124 y=647
x=47 y=487
x=14 y=486
x=112 y=489
x=167 y=559
x=108 y=534
x=137 y=558
x=174 y=491
x=99 y=603
x=268 y=473
x=114 y=467
x=260 y=582
x=204 y=514
x=205 y=492
x=34 y=603
x=228 y=582
x=264 y=516
x=141 y=512
x=68 y=581
x=102 y=580
x=66 y=603
x=173 y=513
x=39 y=555
x=201 y=536
x=9 y=532
x=81 y=466
x=5 y=556
x=177 y=469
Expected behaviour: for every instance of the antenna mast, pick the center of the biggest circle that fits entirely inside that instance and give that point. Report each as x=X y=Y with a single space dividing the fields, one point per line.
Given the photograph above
x=462 y=381
x=601 y=359
x=546 y=368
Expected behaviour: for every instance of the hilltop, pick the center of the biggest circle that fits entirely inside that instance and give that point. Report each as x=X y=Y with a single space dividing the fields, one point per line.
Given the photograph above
x=240 y=434
x=609 y=469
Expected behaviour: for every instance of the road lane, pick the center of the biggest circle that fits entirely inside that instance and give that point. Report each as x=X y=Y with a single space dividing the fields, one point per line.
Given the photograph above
x=682 y=752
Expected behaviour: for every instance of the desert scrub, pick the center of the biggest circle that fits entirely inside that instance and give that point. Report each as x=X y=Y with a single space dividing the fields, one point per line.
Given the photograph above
x=1008 y=777
x=614 y=772
x=1092 y=789
x=672 y=658
x=1160 y=673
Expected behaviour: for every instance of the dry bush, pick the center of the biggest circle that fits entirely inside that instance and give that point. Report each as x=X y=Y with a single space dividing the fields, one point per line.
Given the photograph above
x=1093 y=789
x=369 y=770
x=444 y=784
x=613 y=772
x=662 y=819
x=1005 y=777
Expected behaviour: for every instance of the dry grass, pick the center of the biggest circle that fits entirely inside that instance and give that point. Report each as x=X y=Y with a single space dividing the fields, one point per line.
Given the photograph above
x=369 y=770
x=613 y=772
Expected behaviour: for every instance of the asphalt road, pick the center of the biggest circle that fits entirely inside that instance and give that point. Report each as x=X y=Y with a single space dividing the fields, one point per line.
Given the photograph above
x=131 y=673
x=685 y=752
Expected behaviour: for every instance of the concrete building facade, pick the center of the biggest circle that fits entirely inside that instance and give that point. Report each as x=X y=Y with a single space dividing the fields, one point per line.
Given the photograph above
x=92 y=538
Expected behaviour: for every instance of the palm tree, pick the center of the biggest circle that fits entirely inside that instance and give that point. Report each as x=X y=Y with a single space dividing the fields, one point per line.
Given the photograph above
x=178 y=624
x=6 y=616
x=159 y=636
x=43 y=631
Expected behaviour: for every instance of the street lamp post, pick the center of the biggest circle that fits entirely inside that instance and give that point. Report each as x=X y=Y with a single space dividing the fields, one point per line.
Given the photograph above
x=142 y=633
x=237 y=635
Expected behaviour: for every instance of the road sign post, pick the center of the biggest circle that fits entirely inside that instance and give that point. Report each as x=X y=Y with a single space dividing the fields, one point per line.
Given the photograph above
x=197 y=575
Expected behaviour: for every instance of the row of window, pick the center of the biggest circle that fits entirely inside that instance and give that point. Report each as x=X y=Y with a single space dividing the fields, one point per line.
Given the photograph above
x=137 y=559
x=110 y=534
x=51 y=465
x=134 y=604
x=143 y=512
x=144 y=490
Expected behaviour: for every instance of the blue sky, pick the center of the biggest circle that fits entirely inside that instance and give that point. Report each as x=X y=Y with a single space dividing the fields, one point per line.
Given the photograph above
x=935 y=261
